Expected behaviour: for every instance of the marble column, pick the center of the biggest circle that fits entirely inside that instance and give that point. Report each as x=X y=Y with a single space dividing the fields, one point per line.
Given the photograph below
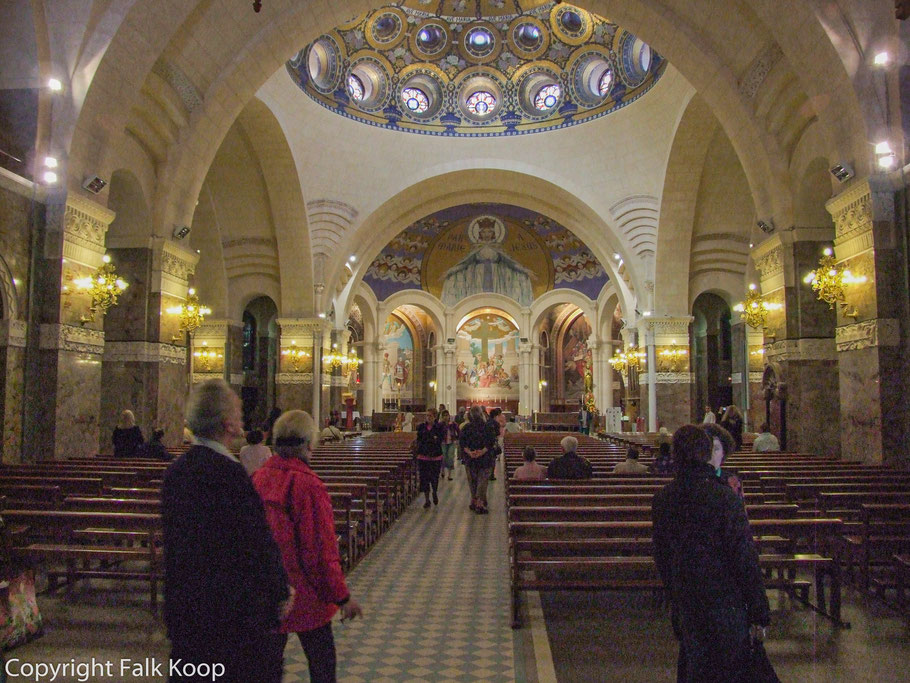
x=369 y=378
x=868 y=242
x=748 y=361
x=212 y=336
x=446 y=380
x=144 y=364
x=297 y=350
x=64 y=373
x=633 y=405
x=603 y=375
x=799 y=339
x=669 y=369
x=12 y=375
x=525 y=383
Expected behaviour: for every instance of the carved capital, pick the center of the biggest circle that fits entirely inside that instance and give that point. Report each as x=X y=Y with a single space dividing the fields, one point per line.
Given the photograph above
x=868 y=334
x=84 y=226
x=299 y=329
x=58 y=337
x=144 y=352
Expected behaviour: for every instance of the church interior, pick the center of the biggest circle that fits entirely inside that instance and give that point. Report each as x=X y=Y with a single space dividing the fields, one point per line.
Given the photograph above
x=629 y=212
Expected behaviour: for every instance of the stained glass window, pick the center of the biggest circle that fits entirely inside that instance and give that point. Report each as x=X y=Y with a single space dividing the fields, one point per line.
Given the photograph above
x=547 y=97
x=430 y=38
x=481 y=103
x=606 y=82
x=415 y=99
x=355 y=87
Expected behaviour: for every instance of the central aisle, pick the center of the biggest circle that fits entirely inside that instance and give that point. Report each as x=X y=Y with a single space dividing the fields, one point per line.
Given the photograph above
x=435 y=595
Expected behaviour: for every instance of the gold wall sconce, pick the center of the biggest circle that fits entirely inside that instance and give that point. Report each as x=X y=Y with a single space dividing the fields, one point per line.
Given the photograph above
x=829 y=281
x=295 y=355
x=630 y=359
x=192 y=314
x=754 y=310
x=104 y=286
x=206 y=357
x=673 y=355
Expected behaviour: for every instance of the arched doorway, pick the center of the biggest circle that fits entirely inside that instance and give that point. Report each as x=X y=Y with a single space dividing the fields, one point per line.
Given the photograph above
x=713 y=345
x=260 y=360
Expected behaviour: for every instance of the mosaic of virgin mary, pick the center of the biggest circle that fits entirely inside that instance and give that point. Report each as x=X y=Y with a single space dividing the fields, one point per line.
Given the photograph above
x=487 y=268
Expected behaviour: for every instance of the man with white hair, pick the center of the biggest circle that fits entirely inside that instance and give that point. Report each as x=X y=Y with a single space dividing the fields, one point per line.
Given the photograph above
x=569 y=465
x=225 y=588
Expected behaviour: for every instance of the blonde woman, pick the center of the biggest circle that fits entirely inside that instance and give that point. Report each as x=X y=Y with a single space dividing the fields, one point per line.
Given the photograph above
x=127 y=437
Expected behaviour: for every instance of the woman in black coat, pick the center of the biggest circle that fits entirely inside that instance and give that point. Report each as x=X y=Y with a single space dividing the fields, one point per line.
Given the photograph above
x=732 y=421
x=127 y=437
x=478 y=442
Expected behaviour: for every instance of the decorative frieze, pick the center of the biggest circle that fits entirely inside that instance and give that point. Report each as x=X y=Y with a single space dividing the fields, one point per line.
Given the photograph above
x=801 y=350
x=298 y=329
x=867 y=334
x=294 y=378
x=58 y=337
x=667 y=329
x=82 y=226
x=668 y=378
x=172 y=266
x=13 y=333
x=144 y=352
x=771 y=264
x=199 y=377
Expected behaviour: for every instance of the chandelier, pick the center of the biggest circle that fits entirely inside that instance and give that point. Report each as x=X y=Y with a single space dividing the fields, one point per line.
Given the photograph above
x=346 y=362
x=206 y=356
x=828 y=280
x=295 y=355
x=630 y=359
x=104 y=287
x=754 y=310
x=191 y=312
x=673 y=355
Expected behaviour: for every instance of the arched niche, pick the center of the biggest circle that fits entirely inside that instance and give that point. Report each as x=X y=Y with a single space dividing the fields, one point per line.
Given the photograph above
x=712 y=351
x=487 y=359
x=260 y=359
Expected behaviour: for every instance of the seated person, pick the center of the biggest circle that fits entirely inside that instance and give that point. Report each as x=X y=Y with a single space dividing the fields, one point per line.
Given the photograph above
x=255 y=453
x=664 y=436
x=631 y=464
x=512 y=426
x=154 y=448
x=332 y=433
x=127 y=437
x=530 y=471
x=569 y=465
x=765 y=442
x=663 y=464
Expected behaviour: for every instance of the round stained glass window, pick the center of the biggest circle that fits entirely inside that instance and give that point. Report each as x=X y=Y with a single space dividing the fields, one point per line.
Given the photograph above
x=528 y=36
x=355 y=87
x=430 y=38
x=386 y=26
x=571 y=21
x=547 y=97
x=605 y=83
x=644 y=58
x=415 y=100
x=479 y=41
x=481 y=103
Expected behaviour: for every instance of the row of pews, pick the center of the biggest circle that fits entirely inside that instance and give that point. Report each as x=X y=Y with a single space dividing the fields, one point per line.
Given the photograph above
x=101 y=518
x=814 y=519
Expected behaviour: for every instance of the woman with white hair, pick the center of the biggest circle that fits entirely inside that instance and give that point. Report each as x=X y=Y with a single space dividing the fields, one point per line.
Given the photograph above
x=127 y=437
x=299 y=512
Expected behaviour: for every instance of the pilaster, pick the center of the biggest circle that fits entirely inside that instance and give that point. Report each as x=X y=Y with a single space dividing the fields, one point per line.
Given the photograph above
x=295 y=379
x=667 y=374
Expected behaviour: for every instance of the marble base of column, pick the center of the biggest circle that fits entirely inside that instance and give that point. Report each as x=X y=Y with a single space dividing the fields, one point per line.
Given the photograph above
x=295 y=391
x=813 y=406
x=674 y=399
x=12 y=376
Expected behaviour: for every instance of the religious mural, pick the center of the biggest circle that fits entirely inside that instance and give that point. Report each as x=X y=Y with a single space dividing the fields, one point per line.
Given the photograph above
x=397 y=360
x=486 y=357
x=485 y=248
x=577 y=358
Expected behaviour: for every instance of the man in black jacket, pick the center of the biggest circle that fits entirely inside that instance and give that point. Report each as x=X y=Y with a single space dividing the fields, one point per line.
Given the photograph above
x=224 y=583
x=569 y=465
x=704 y=551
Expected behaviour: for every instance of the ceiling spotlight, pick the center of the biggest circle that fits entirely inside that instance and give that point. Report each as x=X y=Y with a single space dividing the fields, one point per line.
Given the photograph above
x=50 y=162
x=54 y=85
x=616 y=256
x=881 y=59
x=882 y=147
x=50 y=177
x=766 y=226
x=352 y=258
x=887 y=160
x=750 y=245
x=180 y=231
x=94 y=184
x=322 y=315
x=842 y=171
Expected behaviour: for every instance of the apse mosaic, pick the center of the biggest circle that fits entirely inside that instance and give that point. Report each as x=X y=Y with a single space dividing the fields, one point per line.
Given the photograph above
x=485 y=248
x=476 y=67
x=397 y=360
x=577 y=358
x=486 y=359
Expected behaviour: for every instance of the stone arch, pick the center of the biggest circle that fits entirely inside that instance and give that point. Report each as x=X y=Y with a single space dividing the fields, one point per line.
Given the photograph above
x=541 y=306
x=243 y=290
x=414 y=297
x=813 y=190
x=132 y=222
x=473 y=303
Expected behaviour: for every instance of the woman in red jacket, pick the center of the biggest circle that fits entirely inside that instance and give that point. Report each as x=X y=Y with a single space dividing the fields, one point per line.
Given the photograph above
x=299 y=512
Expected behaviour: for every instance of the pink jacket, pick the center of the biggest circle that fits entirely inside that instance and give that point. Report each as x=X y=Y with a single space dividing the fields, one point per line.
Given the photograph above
x=299 y=512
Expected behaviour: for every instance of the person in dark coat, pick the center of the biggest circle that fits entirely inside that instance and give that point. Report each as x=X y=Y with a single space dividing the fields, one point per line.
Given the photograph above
x=299 y=512
x=225 y=588
x=478 y=442
x=707 y=559
x=732 y=421
x=569 y=465
x=155 y=448
x=722 y=446
x=430 y=435
x=127 y=437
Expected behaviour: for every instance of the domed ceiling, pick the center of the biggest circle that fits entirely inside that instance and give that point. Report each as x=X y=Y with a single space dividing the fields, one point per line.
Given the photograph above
x=476 y=67
x=485 y=248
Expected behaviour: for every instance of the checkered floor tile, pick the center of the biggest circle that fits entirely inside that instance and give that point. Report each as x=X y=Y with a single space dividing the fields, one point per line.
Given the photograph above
x=435 y=595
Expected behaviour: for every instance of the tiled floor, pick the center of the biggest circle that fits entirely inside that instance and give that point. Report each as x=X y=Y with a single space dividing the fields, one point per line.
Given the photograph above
x=435 y=595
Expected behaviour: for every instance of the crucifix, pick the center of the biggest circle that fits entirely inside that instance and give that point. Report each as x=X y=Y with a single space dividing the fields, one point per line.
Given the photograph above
x=484 y=332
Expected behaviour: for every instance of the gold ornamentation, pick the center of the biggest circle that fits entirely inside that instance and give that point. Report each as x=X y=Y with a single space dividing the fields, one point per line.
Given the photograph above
x=104 y=286
x=754 y=310
x=829 y=280
x=191 y=312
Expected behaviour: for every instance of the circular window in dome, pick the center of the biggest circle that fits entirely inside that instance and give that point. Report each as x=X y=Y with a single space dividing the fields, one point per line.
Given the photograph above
x=481 y=103
x=572 y=21
x=415 y=100
x=593 y=78
x=430 y=38
x=636 y=60
x=386 y=26
x=547 y=97
x=479 y=41
x=528 y=36
x=385 y=29
x=323 y=64
x=355 y=88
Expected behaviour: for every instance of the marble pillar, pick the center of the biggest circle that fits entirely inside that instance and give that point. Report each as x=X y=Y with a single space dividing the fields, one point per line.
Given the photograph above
x=799 y=339
x=12 y=376
x=748 y=363
x=64 y=372
x=370 y=378
x=868 y=243
x=144 y=365
x=673 y=383
x=297 y=350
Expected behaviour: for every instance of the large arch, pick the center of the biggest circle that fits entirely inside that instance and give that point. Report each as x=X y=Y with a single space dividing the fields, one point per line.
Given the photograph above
x=542 y=304
x=414 y=297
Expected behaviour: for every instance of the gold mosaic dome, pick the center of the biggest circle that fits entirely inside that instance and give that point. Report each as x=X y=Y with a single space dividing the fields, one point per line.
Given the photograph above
x=476 y=67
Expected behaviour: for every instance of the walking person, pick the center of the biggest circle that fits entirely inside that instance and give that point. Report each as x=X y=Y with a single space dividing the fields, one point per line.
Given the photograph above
x=301 y=519
x=732 y=421
x=225 y=588
x=430 y=435
x=449 y=443
x=477 y=442
x=706 y=557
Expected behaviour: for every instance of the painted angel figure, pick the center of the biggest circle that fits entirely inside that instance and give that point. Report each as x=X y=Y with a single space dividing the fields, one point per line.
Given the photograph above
x=487 y=268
